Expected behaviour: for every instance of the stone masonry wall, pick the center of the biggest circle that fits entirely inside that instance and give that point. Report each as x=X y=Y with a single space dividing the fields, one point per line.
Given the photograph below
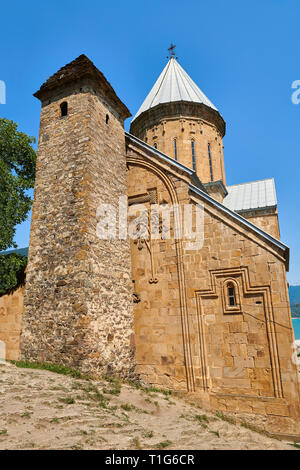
x=11 y=308
x=78 y=298
x=185 y=122
x=158 y=330
x=248 y=349
x=184 y=131
x=266 y=221
x=186 y=336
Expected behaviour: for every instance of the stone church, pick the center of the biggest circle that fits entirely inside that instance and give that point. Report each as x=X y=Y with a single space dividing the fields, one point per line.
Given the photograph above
x=213 y=322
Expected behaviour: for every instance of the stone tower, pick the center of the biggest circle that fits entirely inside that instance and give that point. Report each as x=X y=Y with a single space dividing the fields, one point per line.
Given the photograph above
x=78 y=298
x=180 y=121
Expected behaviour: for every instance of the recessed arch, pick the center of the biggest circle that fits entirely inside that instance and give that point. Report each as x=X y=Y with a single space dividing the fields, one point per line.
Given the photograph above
x=175 y=148
x=193 y=155
x=135 y=160
x=210 y=162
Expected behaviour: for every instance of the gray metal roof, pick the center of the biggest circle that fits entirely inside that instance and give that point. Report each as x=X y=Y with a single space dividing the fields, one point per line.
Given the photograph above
x=250 y=196
x=173 y=84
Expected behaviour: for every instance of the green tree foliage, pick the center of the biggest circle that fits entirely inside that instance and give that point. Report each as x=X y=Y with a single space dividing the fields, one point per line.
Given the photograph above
x=12 y=267
x=17 y=172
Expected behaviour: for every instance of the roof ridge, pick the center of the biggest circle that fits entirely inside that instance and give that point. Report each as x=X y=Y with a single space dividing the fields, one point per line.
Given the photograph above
x=165 y=68
x=249 y=182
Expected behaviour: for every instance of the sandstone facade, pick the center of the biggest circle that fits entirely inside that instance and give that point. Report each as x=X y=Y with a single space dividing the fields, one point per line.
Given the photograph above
x=190 y=133
x=267 y=220
x=186 y=335
x=11 y=309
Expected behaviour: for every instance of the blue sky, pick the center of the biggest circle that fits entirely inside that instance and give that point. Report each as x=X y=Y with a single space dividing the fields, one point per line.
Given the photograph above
x=243 y=55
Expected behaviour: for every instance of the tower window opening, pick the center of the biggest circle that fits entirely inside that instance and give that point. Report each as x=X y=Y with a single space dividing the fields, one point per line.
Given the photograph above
x=231 y=295
x=155 y=145
x=64 y=109
x=193 y=156
x=175 y=149
x=107 y=119
x=210 y=164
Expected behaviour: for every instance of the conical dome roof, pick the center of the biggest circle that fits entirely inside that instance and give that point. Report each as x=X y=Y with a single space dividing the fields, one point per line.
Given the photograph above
x=174 y=84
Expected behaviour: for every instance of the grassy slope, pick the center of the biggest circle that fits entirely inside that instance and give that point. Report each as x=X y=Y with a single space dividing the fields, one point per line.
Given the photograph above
x=45 y=410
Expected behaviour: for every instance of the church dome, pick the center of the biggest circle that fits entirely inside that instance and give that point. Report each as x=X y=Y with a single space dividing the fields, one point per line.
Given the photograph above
x=174 y=95
x=174 y=85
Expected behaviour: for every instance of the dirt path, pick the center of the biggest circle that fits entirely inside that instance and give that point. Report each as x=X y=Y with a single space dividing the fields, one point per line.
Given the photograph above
x=44 y=410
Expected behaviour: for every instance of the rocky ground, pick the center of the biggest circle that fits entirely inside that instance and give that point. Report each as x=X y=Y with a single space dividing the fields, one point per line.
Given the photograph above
x=45 y=410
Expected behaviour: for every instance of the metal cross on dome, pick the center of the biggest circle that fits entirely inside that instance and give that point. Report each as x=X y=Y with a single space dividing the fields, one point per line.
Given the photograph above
x=171 y=50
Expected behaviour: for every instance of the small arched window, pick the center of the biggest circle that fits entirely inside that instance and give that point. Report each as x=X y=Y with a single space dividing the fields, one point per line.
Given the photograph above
x=231 y=294
x=64 y=109
x=193 y=156
x=155 y=145
x=210 y=164
x=175 y=149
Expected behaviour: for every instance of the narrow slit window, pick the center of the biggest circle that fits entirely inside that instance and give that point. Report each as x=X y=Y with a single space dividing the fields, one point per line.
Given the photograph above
x=175 y=149
x=210 y=164
x=193 y=156
x=231 y=295
x=64 y=109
